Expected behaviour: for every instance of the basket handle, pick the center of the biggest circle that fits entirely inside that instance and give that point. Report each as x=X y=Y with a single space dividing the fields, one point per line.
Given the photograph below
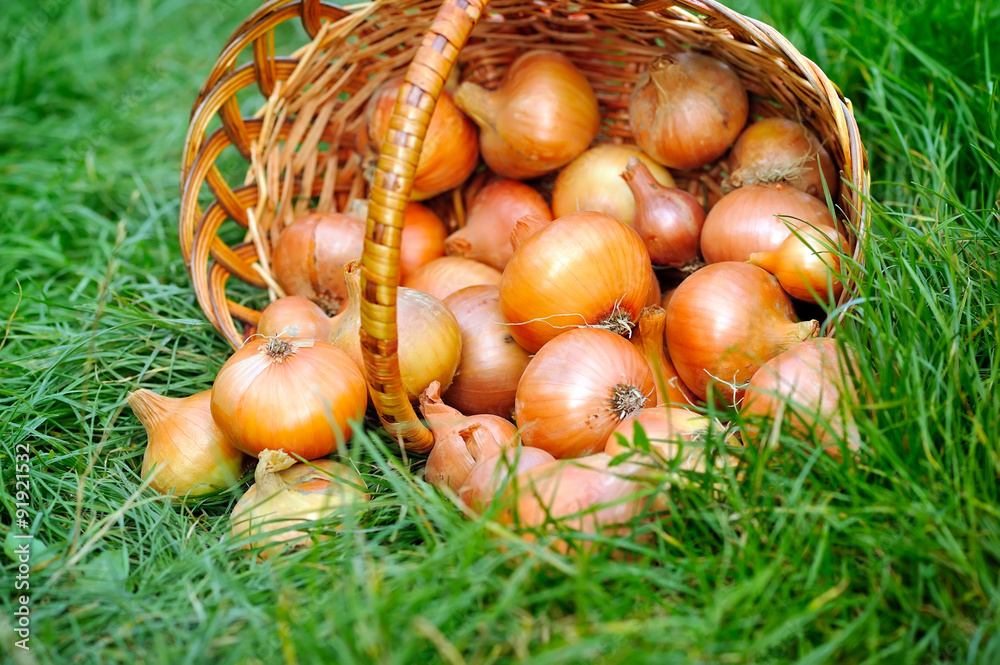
x=393 y=181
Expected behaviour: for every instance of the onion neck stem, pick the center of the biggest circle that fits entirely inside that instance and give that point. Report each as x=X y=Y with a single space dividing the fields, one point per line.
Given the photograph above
x=149 y=407
x=478 y=103
x=267 y=475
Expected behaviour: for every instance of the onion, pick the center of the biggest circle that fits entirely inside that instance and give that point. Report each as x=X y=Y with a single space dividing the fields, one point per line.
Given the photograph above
x=576 y=389
x=492 y=362
x=668 y=219
x=310 y=255
x=591 y=182
x=813 y=379
x=583 y=269
x=187 y=452
x=423 y=239
x=442 y=277
x=648 y=338
x=429 y=343
x=450 y=149
x=485 y=236
x=287 y=495
x=687 y=110
x=758 y=218
x=807 y=264
x=667 y=430
x=294 y=316
x=782 y=150
x=296 y=395
x=724 y=322
x=490 y=474
x=458 y=441
x=542 y=116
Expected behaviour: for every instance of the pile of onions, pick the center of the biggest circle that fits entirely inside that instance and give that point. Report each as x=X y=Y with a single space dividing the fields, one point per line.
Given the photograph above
x=429 y=343
x=294 y=316
x=450 y=150
x=687 y=110
x=187 y=451
x=491 y=473
x=422 y=240
x=286 y=495
x=486 y=234
x=492 y=362
x=310 y=254
x=807 y=264
x=758 y=218
x=442 y=277
x=542 y=116
x=583 y=269
x=725 y=321
x=460 y=441
x=668 y=219
x=810 y=385
x=591 y=182
x=296 y=395
x=648 y=338
x=577 y=388
x=782 y=150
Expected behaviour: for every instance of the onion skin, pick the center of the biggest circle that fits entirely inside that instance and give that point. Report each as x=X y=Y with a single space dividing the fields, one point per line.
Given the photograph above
x=450 y=149
x=460 y=441
x=668 y=220
x=429 y=342
x=491 y=219
x=667 y=429
x=188 y=452
x=577 y=388
x=758 y=218
x=590 y=182
x=310 y=255
x=423 y=239
x=294 y=316
x=648 y=339
x=492 y=362
x=489 y=475
x=654 y=295
x=583 y=269
x=442 y=277
x=812 y=378
x=725 y=321
x=782 y=150
x=542 y=116
x=687 y=110
x=807 y=264
x=289 y=394
x=286 y=494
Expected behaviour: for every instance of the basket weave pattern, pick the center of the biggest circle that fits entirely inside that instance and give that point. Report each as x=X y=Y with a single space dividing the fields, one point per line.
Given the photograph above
x=300 y=145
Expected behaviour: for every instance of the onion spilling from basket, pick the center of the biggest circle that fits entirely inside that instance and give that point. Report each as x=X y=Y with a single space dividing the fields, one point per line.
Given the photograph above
x=532 y=337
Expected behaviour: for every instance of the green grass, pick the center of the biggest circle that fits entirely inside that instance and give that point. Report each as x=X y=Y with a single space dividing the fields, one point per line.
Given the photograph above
x=895 y=559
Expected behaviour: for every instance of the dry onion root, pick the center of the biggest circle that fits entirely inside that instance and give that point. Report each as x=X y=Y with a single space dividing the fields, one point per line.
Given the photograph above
x=275 y=513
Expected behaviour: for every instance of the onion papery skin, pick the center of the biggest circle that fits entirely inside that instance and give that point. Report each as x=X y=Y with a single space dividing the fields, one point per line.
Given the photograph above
x=310 y=255
x=782 y=150
x=807 y=264
x=494 y=210
x=492 y=362
x=670 y=432
x=423 y=238
x=758 y=218
x=429 y=341
x=591 y=182
x=813 y=379
x=450 y=149
x=299 y=396
x=287 y=494
x=459 y=440
x=489 y=476
x=188 y=452
x=648 y=338
x=583 y=269
x=687 y=110
x=577 y=388
x=725 y=321
x=442 y=277
x=294 y=316
x=542 y=116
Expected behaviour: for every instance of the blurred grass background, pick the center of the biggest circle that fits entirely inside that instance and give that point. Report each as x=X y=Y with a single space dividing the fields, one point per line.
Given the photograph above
x=894 y=560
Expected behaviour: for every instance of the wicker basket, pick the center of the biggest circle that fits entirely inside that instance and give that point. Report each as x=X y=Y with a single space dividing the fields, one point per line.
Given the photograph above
x=300 y=144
